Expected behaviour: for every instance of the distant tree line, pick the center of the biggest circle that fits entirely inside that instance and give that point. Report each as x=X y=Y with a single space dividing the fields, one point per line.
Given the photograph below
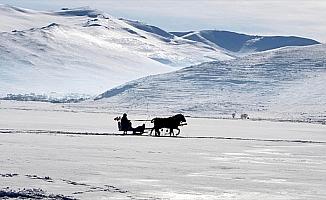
x=44 y=98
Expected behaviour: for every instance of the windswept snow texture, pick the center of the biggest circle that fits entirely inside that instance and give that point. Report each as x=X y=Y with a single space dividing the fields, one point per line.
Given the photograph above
x=281 y=84
x=242 y=43
x=84 y=51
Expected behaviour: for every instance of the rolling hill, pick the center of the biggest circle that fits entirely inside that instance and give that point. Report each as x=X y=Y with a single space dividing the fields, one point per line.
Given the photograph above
x=287 y=83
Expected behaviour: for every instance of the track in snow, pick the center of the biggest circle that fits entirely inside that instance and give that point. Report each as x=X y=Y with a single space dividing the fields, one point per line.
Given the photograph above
x=12 y=131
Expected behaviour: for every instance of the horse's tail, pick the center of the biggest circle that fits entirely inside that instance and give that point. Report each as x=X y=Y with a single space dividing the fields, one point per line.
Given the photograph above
x=152 y=121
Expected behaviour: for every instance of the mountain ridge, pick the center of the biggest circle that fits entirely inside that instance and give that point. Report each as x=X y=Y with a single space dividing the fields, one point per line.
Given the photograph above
x=243 y=43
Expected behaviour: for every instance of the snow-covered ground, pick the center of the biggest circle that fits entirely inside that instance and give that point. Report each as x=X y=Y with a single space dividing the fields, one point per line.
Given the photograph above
x=214 y=159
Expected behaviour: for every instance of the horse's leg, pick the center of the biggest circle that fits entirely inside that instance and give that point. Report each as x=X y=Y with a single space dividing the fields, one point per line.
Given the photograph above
x=171 y=132
x=157 y=132
x=178 y=131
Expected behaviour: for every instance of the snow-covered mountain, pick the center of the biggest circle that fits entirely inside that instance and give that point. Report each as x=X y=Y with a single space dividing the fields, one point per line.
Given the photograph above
x=242 y=43
x=84 y=51
x=61 y=59
x=287 y=83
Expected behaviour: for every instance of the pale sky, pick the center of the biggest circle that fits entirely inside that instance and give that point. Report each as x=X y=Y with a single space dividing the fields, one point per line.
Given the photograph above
x=306 y=18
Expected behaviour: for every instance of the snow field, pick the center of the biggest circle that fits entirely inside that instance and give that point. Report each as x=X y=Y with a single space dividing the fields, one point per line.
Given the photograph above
x=130 y=167
x=214 y=159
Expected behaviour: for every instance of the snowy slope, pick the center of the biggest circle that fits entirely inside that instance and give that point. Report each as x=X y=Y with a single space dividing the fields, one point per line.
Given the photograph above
x=242 y=43
x=61 y=59
x=288 y=83
x=84 y=51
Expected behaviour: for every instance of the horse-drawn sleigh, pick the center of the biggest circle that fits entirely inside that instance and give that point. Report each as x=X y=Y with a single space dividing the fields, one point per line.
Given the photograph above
x=162 y=126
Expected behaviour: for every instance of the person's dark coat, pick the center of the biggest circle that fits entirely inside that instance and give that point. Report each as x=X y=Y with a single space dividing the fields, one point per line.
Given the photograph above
x=125 y=123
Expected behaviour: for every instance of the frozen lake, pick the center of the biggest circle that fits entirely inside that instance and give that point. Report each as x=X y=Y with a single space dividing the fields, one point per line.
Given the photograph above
x=216 y=159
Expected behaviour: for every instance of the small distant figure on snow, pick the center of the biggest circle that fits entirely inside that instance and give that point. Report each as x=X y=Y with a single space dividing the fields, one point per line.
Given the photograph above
x=233 y=115
x=244 y=116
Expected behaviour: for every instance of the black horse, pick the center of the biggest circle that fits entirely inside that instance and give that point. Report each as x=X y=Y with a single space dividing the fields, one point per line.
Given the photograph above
x=171 y=123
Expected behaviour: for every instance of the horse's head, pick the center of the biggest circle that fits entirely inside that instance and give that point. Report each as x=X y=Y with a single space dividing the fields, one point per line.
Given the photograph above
x=180 y=118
